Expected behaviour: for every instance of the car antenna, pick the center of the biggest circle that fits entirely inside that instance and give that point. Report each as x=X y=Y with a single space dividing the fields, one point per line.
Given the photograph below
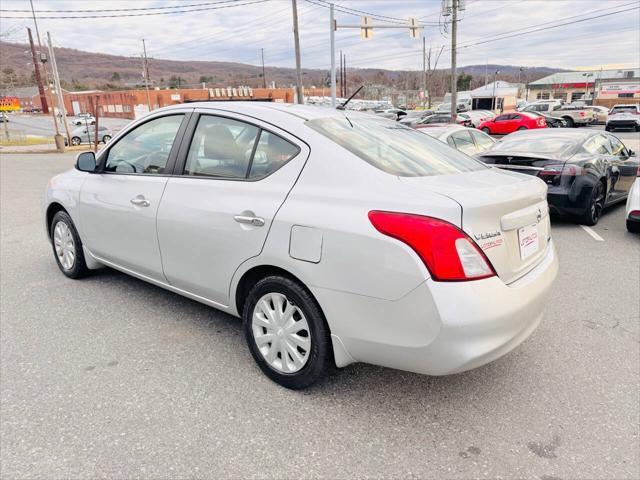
x=342 y=105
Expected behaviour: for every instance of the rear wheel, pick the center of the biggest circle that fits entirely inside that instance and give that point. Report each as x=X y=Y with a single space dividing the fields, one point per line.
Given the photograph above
x=522 y=128
x=106 y=138
x=596 y=204
x=633 y=227
x=570 y=122
x=286 y=332
x=637 y=128
x=608 y=128
x=75 y=141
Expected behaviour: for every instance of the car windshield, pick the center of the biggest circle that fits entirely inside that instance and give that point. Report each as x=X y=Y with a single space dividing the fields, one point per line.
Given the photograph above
x=536 y=144
x=394 y=148
x=626 y=109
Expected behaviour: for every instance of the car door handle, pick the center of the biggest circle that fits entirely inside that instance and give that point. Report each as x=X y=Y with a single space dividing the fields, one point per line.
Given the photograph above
x=249 y=220
x=140 y=201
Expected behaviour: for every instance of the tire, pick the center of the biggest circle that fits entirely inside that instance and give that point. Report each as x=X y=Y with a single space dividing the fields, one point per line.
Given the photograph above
x=486 y=130
x=106 y=138
x=60 y=225
x=637 y=128
x=314 y=355
x=522 y=128
x=75 y=141
x=633 y=227
x=609 y=129
x=570 y=122
x=595 y=206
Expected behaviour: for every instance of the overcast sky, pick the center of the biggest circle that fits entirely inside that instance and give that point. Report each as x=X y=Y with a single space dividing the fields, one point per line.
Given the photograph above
x=239 y=32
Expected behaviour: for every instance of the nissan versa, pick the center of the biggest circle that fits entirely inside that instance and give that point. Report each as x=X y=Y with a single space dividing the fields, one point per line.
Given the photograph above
x=337 y=237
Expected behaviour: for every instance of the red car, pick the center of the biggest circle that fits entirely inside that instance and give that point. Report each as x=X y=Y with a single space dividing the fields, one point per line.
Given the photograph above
x=510 y=122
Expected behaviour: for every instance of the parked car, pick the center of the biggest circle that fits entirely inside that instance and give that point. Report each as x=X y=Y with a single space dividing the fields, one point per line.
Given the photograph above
x=585 y=171
x=625 y=117
x=439 y=120
x=391 y=113
x=446 y=108
x=84 y=135
x=83 y=119
x=552 y=122
x=510 y=122
x=4 y=117
x=281 y=214
x=574 y=116
x=467 y=140
x=413 y=117
x=476 y=117
x=633 y=207
x=600 y=114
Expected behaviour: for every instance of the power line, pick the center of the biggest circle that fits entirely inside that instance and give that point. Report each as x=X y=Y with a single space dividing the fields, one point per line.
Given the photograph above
x=170 y=7
x=234 y=3
x=357 y=13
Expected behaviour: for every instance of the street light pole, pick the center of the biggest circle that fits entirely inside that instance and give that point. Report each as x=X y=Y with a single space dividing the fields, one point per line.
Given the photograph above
x=454 y=85
x=332 y=36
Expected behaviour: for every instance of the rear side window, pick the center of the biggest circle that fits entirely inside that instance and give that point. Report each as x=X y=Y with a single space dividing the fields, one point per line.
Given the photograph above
x=394 y=148
x=271 y=153
x=483 y=141
x=221 y=147
x=501 y=118
x=464 y=142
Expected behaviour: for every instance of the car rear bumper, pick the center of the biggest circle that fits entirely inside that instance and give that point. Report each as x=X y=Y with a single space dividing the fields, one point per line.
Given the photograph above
x=442 y=328
x=623 y=123
x=572 y=201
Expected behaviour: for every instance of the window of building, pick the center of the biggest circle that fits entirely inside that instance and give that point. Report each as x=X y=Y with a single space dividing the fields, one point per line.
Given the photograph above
x=542 y=96
x=576 y=96
x=625 y=95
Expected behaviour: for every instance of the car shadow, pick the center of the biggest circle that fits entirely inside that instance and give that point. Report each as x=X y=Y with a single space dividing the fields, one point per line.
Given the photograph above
x=349 y=383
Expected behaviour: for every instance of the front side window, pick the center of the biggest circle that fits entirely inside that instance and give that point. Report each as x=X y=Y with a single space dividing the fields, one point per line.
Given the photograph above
x=617 y=147
x=221 y=147
x=394 y=148
x=483 y=141
x=501 y=118
x=146 y=148
x=464 y=142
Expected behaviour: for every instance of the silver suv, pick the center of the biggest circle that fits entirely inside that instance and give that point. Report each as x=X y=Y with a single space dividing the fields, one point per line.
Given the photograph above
x=624 y=116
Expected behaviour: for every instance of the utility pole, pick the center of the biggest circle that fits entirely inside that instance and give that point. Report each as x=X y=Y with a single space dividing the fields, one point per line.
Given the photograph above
x=424 y=70
x=145 y=72
x=43 y=96
x=454 y=85
x=296 y=38
x=341 y=84
x=56 y=78
x=264 y=79
x=495 y=81
x=344 y=69
x=332 y=36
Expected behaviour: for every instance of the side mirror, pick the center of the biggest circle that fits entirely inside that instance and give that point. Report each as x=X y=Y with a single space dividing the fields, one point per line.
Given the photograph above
x=632 y=153
x=86 y=162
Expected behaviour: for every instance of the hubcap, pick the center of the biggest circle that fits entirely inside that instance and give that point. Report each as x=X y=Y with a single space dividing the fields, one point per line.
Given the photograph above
x=64 y=245
x=281 y=333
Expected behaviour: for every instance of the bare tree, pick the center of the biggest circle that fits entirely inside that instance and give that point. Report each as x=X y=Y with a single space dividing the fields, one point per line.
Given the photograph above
x=431 y=70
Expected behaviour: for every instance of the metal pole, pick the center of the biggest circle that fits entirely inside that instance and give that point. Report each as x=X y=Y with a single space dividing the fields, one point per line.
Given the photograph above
x=340 y=81
x=296 y=39
x=424 y=70
x=264 y=79
x=146 y=73
x=332 y=35
x=56 y=78
x=344 y=69
x=94 y=105
x=495 y=77
x=35 y=22
x=454 y=86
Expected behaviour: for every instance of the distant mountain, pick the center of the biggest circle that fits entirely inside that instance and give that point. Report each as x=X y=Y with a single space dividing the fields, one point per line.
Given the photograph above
x=84 y=70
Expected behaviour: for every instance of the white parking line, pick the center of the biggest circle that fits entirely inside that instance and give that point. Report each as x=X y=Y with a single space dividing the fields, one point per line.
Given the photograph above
x=592 y=233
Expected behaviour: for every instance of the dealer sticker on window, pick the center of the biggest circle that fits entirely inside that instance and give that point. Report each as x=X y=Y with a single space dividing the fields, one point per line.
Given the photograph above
x=529 y=241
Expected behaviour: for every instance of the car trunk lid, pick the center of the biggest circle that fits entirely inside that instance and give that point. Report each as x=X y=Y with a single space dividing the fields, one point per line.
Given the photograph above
x=506 y=214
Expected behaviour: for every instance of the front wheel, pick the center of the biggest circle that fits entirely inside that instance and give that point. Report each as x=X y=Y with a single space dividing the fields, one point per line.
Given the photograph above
x=633 y=227
x=570 y=122
x=286 y=332
x=608 y=128
x=522 y=128
x=596 y=205
x=486 y=130
x=67 y=246
x=75 y=141
x=106 y=138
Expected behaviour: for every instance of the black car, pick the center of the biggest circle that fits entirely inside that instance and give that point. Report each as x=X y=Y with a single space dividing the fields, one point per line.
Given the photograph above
x=552 y=122
x=585 y=171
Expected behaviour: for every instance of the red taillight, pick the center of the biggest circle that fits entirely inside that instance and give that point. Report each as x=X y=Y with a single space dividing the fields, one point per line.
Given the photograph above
x=568 y=170
x=581 y=114
x=447 y=252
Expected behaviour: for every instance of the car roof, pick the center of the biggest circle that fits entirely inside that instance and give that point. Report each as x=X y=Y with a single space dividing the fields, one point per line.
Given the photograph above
x=568 y=133
x=303 y=112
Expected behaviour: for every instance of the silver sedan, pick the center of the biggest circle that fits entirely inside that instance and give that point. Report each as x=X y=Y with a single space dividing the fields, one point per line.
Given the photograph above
x=337 y=237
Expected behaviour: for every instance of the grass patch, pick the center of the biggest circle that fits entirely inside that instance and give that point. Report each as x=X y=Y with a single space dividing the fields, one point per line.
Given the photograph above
x=22 y=141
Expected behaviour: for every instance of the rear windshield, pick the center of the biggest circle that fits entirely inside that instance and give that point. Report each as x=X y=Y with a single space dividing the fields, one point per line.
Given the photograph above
x=394 y=148
x=536 y=144
x=625 y=109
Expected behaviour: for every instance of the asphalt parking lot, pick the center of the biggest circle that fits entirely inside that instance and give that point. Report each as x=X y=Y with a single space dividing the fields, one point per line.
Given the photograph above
x=112 y=377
